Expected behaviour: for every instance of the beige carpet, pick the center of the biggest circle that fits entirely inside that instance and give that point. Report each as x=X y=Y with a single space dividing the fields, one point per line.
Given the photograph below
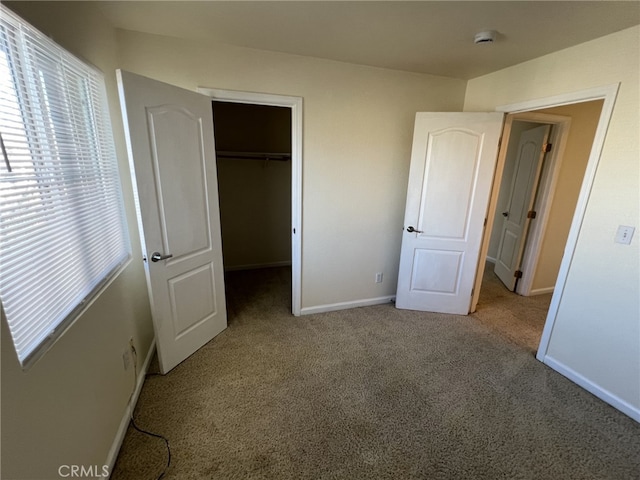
x=515 y=318
x=369 y=393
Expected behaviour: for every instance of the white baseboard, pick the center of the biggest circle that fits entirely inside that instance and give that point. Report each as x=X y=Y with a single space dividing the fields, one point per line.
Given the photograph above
x=541 y=291
x=126 y=417
x=331 y=307
x=255 y=266
x=491 y=259
x=604 y=395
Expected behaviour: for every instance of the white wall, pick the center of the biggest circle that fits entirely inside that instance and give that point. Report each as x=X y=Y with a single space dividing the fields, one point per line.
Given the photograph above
x=67 y=407
x=597 y=329
x=358 y=123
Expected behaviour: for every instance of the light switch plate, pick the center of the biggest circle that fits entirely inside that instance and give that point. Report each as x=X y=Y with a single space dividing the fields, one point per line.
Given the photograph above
x=624 y=234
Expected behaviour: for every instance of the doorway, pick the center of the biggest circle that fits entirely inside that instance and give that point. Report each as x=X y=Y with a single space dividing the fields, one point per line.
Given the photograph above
x=253 y=158
x=527 y=205
x=520 y=315
x=293 y=160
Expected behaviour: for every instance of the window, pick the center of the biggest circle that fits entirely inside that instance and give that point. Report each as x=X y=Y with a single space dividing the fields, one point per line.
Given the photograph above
x=63 y=232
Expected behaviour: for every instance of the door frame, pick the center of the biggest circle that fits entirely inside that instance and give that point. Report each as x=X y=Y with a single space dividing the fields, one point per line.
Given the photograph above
x=608 y=94
x=542 y=196
x=295 y=104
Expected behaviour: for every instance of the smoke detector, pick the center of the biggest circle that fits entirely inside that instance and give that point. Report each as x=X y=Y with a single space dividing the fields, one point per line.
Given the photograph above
x=488 y=36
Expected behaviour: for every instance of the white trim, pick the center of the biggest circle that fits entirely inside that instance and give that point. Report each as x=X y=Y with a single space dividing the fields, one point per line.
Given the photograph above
x=255 y=266
x=608 y=94
x=540 y=291
x=544 y=195
x=596 y=93
x=490 y=259
x=603 y=394
x=331 y=307
x=295 y=103
x=45 y=347
x=126 y=417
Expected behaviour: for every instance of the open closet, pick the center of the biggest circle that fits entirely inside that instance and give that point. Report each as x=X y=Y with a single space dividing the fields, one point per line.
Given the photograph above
x=253 y=156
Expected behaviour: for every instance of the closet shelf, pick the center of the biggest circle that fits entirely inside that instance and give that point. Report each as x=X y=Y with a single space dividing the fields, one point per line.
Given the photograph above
x=279 y=157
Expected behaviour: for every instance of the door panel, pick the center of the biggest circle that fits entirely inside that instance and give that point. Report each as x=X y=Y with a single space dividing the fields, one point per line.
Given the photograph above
x=521 y=197
x=452 y=163
x=171 y=150
x=191 y=301
x=445 y=267
x=181 y=185
x=450 y=222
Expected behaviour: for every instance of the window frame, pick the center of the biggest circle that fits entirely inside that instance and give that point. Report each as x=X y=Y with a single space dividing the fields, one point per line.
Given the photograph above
x=94 y=127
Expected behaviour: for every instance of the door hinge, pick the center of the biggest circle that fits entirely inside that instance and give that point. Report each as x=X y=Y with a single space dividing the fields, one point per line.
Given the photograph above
x=472 y=290
x=531 y=214
x=517 y=274
x=546 y=147
x=499 y=142
x=485 y=221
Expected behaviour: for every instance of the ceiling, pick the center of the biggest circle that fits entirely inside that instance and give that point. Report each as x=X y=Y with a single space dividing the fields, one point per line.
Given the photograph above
x=434 y=37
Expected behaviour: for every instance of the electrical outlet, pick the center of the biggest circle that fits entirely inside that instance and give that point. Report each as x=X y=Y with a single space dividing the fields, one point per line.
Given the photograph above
x=126 y=358
x=624 y=234
x=379 y=277
x=129 y=354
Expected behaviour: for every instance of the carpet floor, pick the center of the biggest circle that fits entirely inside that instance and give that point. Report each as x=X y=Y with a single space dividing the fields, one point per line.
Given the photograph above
x=372 y=393
x=517 y=319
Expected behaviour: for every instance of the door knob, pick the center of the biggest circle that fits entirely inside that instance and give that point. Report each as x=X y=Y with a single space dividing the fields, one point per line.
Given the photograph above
x=505 y=214
x=410 y=229
x=157 y=256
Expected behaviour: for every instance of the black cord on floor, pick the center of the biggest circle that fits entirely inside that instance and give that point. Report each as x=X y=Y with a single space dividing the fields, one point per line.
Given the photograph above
x=166 y=441
x=133 y=422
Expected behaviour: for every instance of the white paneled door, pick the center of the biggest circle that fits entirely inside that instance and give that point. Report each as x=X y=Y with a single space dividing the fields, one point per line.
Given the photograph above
x=521 y=198
x=453 y=161
x=171 y=150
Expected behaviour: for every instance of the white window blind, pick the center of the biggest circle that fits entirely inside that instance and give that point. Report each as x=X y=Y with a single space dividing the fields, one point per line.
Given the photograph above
x=62 y=226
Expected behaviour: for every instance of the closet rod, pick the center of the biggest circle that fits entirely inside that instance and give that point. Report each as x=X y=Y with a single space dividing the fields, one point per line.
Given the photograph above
x=279 y=157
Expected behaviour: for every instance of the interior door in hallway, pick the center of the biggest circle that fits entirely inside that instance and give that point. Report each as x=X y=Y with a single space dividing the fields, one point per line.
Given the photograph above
x=171 y=148
x=516 y=220
x=453 y=161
